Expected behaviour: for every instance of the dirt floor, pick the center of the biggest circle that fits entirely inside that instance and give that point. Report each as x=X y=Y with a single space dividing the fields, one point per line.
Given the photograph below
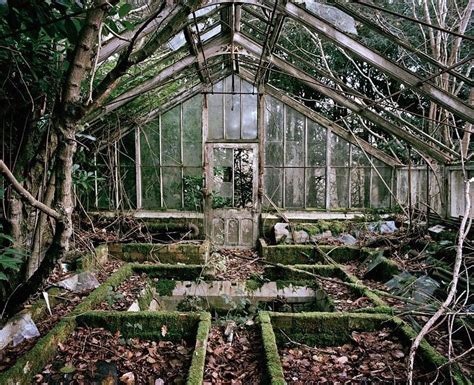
x=371 y=356
x=236 y=362
x=98 y=356
x=67 y=303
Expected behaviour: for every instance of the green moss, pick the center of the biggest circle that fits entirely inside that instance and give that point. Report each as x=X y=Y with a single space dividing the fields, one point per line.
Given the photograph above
x=196 y=372
x=252 y=285
x=171 y=271
x=382 y=269
x=145 y=299
x=272 y=358
x=165 y=287
x=188 y=253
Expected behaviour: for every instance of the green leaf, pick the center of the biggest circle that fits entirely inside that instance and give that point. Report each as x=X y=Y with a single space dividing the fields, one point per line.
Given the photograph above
x=68 y=369
x=129 y=26
x=3 y=277
x=124 y=10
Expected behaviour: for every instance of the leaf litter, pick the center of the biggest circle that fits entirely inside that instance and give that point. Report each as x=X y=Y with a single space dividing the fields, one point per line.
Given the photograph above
x=373 y=357
x=95 y=355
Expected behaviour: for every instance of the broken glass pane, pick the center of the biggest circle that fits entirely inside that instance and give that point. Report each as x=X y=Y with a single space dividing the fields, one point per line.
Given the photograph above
x=222 y=181
x=243 y=177
x=316 y=187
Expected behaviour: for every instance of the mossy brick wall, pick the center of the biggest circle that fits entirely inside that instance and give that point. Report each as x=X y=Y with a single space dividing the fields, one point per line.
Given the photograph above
x=172 y=271
x=144 y=324
x=309 y=254
x=157 y=226
x=190 y=253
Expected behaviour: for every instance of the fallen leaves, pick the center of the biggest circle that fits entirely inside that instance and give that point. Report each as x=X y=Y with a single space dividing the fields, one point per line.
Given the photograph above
x=372 y=356
x=99 y=356
x=239 y=362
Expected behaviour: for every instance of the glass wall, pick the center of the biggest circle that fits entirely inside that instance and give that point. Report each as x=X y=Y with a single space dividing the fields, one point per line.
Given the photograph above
x=232 y=111
x=171 y=159
x=307 y=167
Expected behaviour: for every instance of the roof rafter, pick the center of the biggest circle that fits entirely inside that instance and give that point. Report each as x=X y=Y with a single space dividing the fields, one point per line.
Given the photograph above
x=446 y=99
x=359 y=109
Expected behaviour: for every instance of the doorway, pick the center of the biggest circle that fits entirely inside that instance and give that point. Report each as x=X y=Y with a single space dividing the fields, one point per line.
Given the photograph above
x=231 y=203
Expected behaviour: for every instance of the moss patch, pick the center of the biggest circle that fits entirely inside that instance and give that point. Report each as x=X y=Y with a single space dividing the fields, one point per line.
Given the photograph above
x=165 y=287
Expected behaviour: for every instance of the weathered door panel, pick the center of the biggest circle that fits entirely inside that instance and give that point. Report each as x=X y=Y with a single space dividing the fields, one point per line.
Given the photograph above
x=231 y=202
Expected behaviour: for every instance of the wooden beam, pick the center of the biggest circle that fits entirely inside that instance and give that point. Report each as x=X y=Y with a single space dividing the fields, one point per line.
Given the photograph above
x=434 y=93
x=359 y=109
x=213 y=48
x=402 y=43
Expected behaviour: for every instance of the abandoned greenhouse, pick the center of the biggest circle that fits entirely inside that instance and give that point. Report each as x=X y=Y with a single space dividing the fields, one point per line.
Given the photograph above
x=236 y=192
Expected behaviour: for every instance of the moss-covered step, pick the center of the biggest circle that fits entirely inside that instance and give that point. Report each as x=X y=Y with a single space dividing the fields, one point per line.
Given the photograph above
x=193 y=327
x=307 y=254
x=186 y=252
x=336 y=329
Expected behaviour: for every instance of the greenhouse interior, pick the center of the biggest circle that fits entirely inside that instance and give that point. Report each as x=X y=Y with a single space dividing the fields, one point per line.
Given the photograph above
x=236 y=192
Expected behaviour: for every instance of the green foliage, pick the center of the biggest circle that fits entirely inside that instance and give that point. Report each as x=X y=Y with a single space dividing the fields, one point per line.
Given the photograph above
x=11 y=258
x=82 y=179
x=193 y=196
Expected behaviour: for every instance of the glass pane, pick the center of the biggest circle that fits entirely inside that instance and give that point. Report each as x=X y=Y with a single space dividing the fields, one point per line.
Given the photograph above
x=150 y=144
x=273 y=120
x=316 y=143
x=339 y=187
x=192 y=131
x=360 y=186
x=232 y=108
x=172 y=187
x=294 y=138
x=249 y=112
x=192 y=186
x=339 y=151
x=127 y=149
x=273 y=181
x=358 y=157
x=171 y=137
x=316 y=187
x=274 y=154
x=151 y=188
x=294 y=187
x=243 y=177
x=216 y=118
x=380 y=191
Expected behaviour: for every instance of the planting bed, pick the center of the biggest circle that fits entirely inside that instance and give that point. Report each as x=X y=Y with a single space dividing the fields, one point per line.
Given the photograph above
x=234 y=355
x=342 y=347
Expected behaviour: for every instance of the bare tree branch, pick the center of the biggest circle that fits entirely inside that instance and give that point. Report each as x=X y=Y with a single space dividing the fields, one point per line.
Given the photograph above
x=25 y=194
